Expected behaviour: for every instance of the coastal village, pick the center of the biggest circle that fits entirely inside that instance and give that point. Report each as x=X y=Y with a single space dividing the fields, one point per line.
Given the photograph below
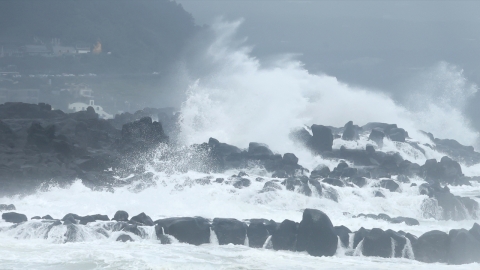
x=66 y=91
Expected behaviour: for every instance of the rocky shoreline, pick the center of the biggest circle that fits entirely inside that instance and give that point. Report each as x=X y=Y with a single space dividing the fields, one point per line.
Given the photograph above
x=315 y=234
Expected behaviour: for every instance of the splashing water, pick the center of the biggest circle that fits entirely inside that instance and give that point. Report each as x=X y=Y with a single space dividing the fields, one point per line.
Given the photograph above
x=247 y=101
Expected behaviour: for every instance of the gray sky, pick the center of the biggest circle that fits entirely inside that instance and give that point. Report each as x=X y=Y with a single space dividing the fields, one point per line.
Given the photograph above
x=376 y=44
x=354 y=39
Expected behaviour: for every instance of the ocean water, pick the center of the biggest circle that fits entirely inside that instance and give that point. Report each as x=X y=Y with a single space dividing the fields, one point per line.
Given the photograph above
x=241 y=101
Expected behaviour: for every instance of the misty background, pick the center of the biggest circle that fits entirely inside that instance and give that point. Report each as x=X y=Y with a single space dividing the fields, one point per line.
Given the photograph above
x=127 y=55
x=386 y=46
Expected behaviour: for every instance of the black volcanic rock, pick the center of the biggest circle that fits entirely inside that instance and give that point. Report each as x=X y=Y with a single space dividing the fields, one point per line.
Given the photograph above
x=377 y=243
x=229 y=231
x=377 y=136
x=464 y=247
x=431 y=247
x=390 y=185
x=322 y=139
x=350 y=132
x=316 y=234
x=124 y=238
x=14 y=217
x=343 y=233
x=257 y=233
x=143 y=219
x=194 y=231
x=120 y=215
x=285 y=236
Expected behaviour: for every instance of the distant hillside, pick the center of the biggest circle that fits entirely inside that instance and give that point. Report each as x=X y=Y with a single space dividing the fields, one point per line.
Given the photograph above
x=142 y=35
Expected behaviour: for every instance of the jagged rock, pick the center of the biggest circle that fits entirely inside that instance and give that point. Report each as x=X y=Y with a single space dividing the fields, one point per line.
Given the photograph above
x=259 y=150
x=289 y=158
x=432 y=247
x=334 y=182
x=322 y=139
x=141 y=135
x=14 y=217
x=285 y=236
x=350 y=134
x=35 y=217
x=194 y=231
x=403 y=178
x=143 y=219
x=445 y=171
x=280 y=174
x=316 y=184
x=358 y=181
x=120 y=215
x=48 y=217
x=271 y=186
x=390 y=185
x=377 y=136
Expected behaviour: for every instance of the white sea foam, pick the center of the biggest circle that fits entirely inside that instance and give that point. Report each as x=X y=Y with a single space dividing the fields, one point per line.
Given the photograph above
x=241 y=102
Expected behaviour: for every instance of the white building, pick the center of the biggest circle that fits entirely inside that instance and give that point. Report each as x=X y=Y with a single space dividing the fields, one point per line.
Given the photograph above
x=80 y=106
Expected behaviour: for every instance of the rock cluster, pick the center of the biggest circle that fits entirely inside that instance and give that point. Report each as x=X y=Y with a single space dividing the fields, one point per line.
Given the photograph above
x=314 y=234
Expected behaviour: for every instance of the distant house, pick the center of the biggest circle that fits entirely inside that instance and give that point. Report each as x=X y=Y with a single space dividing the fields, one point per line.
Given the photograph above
x=63 y=50
x=83 y=49
x=80 y=106
x=79 y=90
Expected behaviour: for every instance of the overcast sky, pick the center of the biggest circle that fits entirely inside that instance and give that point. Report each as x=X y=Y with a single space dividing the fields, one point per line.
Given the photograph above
x=371 y=43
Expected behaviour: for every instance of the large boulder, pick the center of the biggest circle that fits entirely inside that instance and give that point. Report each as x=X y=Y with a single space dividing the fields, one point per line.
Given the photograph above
x=464 y=247
x=229 y=231
x=316 y=234
x=142 y=135
x=377 y=136
x=257 y=233
x=14 y=217
x=359 y=236
x=446 y=171
x=432 y=246
x=194 y=231
x=350 y=133
x=259 y=150
x=322 y=139
x=285 y=236
x=143 y=219
x=377 y=243
x=390 y=185
x=343 y=233
x=120 y=215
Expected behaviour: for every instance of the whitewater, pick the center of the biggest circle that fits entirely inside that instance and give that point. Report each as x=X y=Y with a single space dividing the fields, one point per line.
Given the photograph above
x=242 y=100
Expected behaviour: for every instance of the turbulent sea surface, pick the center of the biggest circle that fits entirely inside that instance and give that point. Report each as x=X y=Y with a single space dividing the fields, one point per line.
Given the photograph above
x=247 y=101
